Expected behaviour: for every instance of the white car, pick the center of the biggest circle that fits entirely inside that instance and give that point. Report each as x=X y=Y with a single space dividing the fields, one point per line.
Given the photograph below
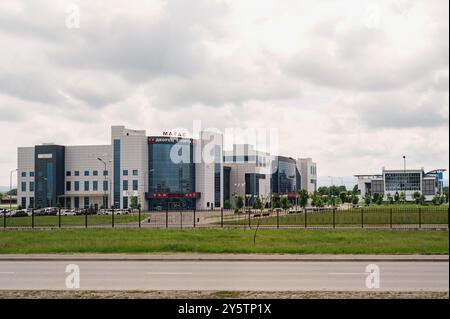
x=68 y=212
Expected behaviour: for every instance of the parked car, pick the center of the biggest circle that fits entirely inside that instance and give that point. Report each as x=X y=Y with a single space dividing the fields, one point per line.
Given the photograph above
x=68 y=212
x=19 y=213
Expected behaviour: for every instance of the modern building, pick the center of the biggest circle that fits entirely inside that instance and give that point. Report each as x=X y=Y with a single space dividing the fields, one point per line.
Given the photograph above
x=406 y=181
x=308 y=173
x=156 y=172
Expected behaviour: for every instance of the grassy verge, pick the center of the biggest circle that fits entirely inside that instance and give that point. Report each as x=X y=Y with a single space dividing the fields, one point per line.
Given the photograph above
x=299 y=241
x=370 y=216
x=52 y=221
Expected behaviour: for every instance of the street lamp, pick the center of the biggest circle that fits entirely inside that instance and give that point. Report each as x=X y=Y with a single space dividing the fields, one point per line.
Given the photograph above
x=10 y=187
x=105 y=196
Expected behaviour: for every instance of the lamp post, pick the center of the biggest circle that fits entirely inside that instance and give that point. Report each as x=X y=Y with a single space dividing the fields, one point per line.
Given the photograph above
x=10 y=188
x=105 y=196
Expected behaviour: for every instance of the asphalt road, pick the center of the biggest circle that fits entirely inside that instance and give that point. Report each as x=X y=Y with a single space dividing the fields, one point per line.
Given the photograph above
x=259 y=275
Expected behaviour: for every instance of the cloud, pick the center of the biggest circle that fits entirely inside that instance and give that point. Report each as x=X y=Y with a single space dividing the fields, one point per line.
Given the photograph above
x=351 y=94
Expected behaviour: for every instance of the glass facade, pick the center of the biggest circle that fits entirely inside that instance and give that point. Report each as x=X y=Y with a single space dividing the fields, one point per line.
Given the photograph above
x=217 y=174
x=409 y=181
x=116 y=145
x=169 y=178
x=284 y=179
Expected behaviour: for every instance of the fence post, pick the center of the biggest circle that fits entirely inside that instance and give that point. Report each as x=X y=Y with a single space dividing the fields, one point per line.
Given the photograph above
x=85 y=218
x=278 y=218
x=390 y=217
x=420 y=217
x=112 y=217
x=249 y=221
x=362 y=217
x=32 y=218
x=59 y=217
x=195 y=218
x=221 y=217
x=4 y=219
x=167 y=216
x=334 y=217
x=139 y=216
x=306 y=218
x=181 y=219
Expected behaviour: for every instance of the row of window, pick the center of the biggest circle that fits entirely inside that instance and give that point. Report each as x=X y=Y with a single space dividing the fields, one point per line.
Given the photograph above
x=76 y=186
x=24 y=174
x=85 y=173
x=87 y=186
x=23 y=186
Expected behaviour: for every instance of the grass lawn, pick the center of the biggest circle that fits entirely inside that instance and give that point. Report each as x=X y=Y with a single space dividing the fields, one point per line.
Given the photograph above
x=374 y=215
x=299 y=241
x=52 y=221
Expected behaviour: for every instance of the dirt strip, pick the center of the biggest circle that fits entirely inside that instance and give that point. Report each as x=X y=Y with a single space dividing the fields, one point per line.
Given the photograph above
x=39 y=294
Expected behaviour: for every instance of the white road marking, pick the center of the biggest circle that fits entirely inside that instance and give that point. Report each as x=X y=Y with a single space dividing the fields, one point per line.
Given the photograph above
x=348 y=273
x=168 y=273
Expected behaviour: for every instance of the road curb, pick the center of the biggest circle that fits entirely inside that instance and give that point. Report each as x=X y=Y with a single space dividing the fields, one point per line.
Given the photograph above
x=434 y=258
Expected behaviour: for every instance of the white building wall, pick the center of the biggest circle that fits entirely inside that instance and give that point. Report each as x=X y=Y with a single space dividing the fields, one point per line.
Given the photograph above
x=205 y=168
x=133 y=156
x=308 y=173
x=25 y=163
x=85 y=158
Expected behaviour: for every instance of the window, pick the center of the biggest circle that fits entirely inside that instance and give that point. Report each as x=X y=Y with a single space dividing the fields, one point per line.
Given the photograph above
x=24 y=174
x=68 y=186
x=86 y=173
x=135 y=185
x=76 y=202
x=76 y=185
x=68 y=173
x=86 y=186
x=31 y=202
x=125 y=172
x=23 y=186
x=125 y=202
x=31 y=174
x=105 y=185
x=31 y=186
x=105 y=173
x=86 y=202
x=125 y=185
x=135 y=172
x=76 y=173
x=23 y=202
x=95 y=186
x=95 y=173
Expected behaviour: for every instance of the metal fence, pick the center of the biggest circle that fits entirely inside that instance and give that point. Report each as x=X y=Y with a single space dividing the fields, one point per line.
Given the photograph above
x=421 y=217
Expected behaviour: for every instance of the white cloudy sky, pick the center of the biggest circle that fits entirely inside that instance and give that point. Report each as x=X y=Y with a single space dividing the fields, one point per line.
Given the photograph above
x=353 y=84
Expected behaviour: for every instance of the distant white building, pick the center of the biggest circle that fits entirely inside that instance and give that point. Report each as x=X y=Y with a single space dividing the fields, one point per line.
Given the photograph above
x=308 y=172
x=406 y=181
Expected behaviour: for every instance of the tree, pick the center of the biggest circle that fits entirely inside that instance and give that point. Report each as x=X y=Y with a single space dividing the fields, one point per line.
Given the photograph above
x=259 y=204
x=437 y=199
x=355 y=199
x=284 y=201
x=316 y=200
x=227 y=204
x=303 y=198
x=367 y=199
x=355 y=190
x=239 y=200
x=12 y=192
x=402 y=197
x=377 y=198
x=396 y=197
x=445 y=193
x=343 y=196
x=422 y=199
x=416 y=196
x=390 y=199
x=133 y=202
